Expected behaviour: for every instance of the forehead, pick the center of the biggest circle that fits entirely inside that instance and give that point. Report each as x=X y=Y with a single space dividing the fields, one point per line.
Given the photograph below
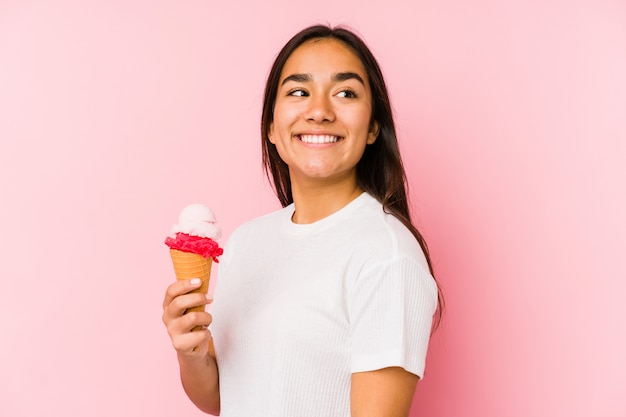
x=325 y=55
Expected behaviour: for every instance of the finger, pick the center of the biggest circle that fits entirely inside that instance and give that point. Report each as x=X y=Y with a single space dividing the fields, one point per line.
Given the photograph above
x=189 y=322
x=179 y=288
x=195 y=320
x=192 y=343
x=182 y=303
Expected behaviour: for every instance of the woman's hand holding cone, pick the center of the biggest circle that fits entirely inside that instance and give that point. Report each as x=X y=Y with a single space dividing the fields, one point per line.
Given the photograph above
x=189 y=332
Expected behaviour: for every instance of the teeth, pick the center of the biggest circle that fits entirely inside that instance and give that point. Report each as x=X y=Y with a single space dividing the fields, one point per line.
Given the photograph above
x=319 y=138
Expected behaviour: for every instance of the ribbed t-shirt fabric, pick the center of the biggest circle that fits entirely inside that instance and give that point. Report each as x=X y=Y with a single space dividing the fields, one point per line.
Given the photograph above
x=299 y=307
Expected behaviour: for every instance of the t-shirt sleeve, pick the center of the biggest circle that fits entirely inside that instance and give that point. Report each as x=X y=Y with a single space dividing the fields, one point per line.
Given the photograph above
x=391 y=309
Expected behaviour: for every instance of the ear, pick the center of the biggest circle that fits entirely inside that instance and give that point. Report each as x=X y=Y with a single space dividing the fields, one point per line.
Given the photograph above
x=270 y=133
x=373 y=133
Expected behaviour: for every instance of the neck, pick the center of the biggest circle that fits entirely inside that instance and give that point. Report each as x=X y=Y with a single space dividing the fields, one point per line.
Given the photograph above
x=314 y=201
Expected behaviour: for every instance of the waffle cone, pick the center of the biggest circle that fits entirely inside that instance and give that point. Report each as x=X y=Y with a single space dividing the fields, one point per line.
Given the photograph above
x=189 y=265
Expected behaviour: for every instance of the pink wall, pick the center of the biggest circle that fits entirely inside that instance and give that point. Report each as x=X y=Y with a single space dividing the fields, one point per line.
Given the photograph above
x=115 y=114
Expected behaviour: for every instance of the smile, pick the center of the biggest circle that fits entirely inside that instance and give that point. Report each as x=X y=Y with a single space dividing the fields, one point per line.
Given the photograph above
x=319 y=138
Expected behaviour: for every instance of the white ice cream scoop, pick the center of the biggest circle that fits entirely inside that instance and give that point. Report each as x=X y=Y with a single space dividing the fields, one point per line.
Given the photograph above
x=197 y=220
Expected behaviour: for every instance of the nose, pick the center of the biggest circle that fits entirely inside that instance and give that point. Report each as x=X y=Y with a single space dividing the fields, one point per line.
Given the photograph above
x=320 y=109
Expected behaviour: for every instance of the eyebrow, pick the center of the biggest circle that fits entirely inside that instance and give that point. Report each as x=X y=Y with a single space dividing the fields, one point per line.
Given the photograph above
x=344 y=76
x=337 y=77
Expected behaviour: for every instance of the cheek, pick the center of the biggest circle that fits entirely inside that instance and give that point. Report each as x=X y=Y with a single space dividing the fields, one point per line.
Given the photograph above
x=361 y=120
x=283 y=119
x=284 y=116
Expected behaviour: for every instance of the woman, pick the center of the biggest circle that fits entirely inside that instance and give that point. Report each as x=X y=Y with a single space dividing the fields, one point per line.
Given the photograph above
x=323 y=308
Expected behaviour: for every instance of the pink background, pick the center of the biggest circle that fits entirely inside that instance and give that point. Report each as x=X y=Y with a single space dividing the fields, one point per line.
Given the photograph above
x=511 y=115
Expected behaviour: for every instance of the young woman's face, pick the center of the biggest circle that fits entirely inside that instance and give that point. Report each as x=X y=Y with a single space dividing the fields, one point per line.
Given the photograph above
x=322 y=114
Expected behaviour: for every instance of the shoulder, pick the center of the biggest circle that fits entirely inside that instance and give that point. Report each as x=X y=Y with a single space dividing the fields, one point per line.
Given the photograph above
x=254 y=232
x=385 y=237
x=262 y=224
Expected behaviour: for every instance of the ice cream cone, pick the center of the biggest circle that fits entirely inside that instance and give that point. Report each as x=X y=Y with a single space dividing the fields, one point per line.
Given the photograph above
x=193 y=247
x=189 y=265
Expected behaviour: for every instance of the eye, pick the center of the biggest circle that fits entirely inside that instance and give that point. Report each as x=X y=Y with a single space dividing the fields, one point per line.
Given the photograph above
x=297 y=93
x=347 y=93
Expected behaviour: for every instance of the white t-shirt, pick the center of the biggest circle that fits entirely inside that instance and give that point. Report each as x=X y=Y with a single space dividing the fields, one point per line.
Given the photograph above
x=299 y=307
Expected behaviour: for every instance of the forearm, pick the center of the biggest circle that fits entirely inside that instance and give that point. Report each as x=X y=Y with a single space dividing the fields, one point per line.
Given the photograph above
x=200 y=380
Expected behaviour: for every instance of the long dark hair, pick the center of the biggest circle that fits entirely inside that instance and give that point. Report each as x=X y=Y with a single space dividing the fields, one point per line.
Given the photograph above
x=380 y=171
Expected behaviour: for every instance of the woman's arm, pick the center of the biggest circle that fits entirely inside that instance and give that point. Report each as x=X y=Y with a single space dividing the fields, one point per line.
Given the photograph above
x=198 y=367
x=386 y=392
x=199 y=377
